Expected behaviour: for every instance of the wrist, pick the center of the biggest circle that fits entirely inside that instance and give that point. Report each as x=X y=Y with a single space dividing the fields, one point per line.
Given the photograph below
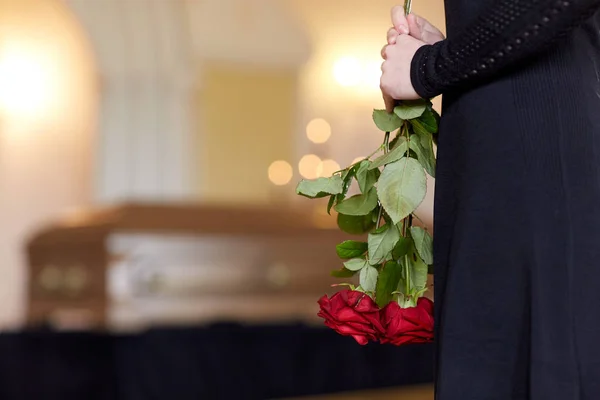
x=419 y=70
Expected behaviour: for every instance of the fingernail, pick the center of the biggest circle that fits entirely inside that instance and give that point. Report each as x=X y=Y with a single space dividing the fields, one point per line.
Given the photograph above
x=404 y=29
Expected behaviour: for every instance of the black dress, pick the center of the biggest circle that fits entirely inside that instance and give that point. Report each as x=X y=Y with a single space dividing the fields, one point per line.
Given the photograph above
x=517 y=208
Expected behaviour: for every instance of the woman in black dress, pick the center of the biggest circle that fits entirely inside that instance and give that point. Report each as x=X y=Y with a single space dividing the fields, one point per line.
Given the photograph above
x=517 y=208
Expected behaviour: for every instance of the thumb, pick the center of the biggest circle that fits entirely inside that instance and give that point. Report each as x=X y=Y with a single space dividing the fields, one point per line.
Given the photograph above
x=399 y=20
x=423 y=30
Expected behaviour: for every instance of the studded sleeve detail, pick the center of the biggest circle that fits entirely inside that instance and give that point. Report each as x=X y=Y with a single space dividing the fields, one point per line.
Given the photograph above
x=508 y=32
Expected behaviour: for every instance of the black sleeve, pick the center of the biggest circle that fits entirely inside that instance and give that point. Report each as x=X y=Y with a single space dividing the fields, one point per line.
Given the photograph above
x=507 y=32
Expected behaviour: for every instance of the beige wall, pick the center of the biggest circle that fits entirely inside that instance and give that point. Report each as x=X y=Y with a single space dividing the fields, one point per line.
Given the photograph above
x=247 y=121
x=335 y=28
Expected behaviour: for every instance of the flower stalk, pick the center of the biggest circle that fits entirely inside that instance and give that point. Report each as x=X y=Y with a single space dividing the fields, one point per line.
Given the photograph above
x=391 y=262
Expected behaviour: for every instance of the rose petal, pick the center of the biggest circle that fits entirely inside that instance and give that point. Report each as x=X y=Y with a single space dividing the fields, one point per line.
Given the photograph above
x=408 y=325
x=350 y=330
x=344 y=330
x=348 y=314
x=360 y=339
x=368 y=329
x=352 y=313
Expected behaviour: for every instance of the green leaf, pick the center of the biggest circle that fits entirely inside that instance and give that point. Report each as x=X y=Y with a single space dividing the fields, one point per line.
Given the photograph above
x=320 y=187
x=408 y=295
x=350 y=249
x=349 y=173
x=405 y=300
x=402 y=188
x=355 y=225
x=408 y=110
x=347 y=176
x=423 y=243
x=418 y=128
x=393 y=156
x=368 y=278
x=361 y=204
x=356 y=264
x=436 y=116
x=388 y=257
x=375 y=215
x=418 y=273
x=429 y=121
x=402 y=247
x=332 y=201
x=366 y=176
x=387 y=283
x=386 y=122
x=381 y=244
x=394 y=142
x=423 y=147
x=381 y=229
x=343 y=273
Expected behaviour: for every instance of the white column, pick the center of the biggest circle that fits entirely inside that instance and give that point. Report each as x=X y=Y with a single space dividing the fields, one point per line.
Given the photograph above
x=143 y=51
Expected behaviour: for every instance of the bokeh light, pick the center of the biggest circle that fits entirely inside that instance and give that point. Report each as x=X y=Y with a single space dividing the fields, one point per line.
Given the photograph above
x=318 y=130
x=347 y=71
x=372 y=75
x=309 y=166
x=27 y=80
x=280 y=173
x=327 y=168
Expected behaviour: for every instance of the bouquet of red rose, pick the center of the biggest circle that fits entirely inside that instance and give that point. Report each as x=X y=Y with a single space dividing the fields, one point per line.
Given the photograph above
x=388 y=304
x=392 y=265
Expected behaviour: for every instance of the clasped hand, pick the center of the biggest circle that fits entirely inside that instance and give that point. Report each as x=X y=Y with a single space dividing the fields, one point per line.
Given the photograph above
x=408 y=34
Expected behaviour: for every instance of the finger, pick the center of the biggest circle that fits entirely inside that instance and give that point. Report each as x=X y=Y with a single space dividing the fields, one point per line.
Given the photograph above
x=423 y=30
x=384 y=52
x=399 y=20
x=414 y=25
x=392 y=34
x=389 y=102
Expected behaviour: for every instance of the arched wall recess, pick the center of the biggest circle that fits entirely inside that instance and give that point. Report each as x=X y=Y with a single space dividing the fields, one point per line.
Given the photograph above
x=48 y=109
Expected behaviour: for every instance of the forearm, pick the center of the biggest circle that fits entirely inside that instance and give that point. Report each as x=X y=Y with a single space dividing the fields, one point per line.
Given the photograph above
x=508 y=32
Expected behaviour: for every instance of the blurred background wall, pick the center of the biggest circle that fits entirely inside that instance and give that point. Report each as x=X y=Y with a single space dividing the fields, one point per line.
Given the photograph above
x=196 y=101
x=49 y=104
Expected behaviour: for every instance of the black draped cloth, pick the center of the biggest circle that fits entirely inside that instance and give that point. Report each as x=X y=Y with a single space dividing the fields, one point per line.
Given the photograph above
x=517 y=208
x=224 y=361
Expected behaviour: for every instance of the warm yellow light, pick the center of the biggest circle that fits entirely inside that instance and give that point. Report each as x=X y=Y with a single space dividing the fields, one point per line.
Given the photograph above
x=27 y=80
x=372 y=75
x=280 y=173
x=318 y=130
x=309 y=166
x=327 y=168
x=347 y=71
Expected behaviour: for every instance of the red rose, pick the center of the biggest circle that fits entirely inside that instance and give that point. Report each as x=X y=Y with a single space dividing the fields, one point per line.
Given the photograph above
x=352 y=313
x=408 y=325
